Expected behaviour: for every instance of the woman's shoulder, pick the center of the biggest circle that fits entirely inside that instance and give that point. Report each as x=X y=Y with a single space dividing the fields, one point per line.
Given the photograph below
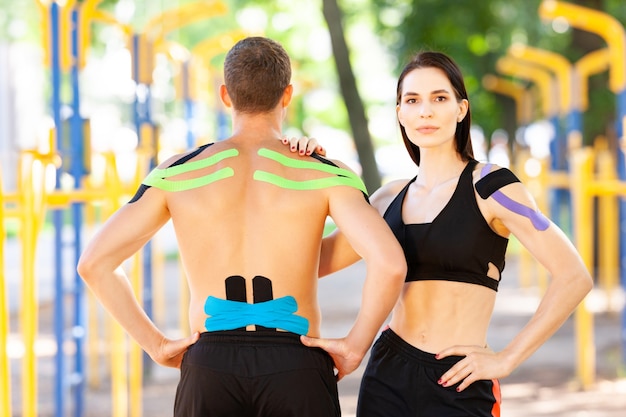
x=392 y=187
x=385 y=194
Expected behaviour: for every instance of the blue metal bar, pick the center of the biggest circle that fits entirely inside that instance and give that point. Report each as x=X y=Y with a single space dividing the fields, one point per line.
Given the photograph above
x=621 y=173
x=556 y=151
x=141 y=115
x=57 y=215
x=148 y=364
x=189 y=104
x=77 y=170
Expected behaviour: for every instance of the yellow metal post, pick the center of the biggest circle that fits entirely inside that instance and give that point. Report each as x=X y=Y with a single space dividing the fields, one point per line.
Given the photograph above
x=542 y=78
x=593 y=63
x=186 y=14
x=29 y=305
x=561 y=67
x=136 y=353
x=5 y=369
x=515 y=90
x=600 y=23
x=581 y=174
x=119 y=370
x=525 y=258
x=608 y=236
x=45 y=29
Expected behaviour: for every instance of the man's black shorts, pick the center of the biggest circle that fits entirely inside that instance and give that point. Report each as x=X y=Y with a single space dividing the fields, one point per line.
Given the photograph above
x=256 y=374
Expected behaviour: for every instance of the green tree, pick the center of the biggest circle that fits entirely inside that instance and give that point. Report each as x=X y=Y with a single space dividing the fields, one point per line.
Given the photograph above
x=351 y=97
x=477 y=33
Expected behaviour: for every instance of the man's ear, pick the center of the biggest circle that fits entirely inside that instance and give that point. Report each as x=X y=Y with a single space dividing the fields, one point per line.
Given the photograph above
x=225 y=97
x=287 y=94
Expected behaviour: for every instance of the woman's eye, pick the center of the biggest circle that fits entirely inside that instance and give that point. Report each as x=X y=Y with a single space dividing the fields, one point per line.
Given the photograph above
x=440 y=98
x=411 y=101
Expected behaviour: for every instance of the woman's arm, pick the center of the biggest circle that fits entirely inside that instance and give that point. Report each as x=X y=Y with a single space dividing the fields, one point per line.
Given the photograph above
x=570 y=283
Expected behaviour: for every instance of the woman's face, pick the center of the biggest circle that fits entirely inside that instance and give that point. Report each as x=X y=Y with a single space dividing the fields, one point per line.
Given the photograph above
x=429 y=109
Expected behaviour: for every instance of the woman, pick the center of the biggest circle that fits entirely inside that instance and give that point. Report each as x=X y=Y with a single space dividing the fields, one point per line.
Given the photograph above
x=453 y=221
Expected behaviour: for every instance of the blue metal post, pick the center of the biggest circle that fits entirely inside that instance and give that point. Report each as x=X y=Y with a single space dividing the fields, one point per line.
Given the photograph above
x=57 y=215
x=188 y=102
x=223 y=125
x=77 y=170
x=141 y=115
x=621 y=173
x=556 y=151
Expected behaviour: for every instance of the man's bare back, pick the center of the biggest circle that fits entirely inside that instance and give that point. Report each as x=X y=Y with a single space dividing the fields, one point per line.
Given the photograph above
x=239 y=227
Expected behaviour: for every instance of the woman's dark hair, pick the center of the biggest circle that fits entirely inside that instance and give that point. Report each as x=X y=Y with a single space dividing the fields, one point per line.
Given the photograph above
x=441 y=61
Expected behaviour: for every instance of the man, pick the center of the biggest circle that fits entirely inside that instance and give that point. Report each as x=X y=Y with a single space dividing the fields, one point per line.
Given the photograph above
x=250 y=259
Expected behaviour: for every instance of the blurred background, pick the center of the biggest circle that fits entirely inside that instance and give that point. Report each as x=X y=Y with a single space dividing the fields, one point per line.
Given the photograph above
x=95 y=93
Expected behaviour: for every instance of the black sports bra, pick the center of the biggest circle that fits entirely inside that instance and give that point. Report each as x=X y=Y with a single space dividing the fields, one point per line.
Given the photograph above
x=458 y=245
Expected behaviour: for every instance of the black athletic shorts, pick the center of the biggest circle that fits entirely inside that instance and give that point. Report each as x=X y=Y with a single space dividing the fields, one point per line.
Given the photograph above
x=401 y=381
x=255 y=374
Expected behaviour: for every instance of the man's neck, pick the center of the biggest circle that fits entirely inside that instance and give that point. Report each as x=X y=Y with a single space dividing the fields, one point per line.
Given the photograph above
x=258 y=125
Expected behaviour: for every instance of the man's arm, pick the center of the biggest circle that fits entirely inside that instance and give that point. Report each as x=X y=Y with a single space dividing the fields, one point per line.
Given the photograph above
x=120 y=237
x=372 y=239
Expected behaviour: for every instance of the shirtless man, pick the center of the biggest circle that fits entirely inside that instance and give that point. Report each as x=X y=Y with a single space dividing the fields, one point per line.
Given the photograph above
x=251 y=262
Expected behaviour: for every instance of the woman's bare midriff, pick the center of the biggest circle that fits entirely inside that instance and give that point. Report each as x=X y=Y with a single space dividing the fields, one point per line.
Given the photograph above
x=434 y=315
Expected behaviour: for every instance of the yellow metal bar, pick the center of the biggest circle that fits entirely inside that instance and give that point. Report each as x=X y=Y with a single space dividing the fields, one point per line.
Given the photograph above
x=158 y=283
x=593 y=63
x=200 y=82
x=608 y=236
x=119 y=371
x=145 y=57
x=559 y=179
x=136 y=354
x=29 y=305
x=12 y=213
x=542 y=78
x=581 y=166
x=207 y=49
x=88 y=14
x=510 y=88
x=600 y=23
x=64 y=197
x=5 y=369
x=174 y=50
x=561 y=67
x=608 y=187
x=188 y=13
x=104 y=17
x=65 y=37
x=525 y=258
x=44 y=14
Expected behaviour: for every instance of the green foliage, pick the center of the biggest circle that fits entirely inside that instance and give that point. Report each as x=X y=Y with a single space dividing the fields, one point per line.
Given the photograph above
x=477 y=33
x=19 y=20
